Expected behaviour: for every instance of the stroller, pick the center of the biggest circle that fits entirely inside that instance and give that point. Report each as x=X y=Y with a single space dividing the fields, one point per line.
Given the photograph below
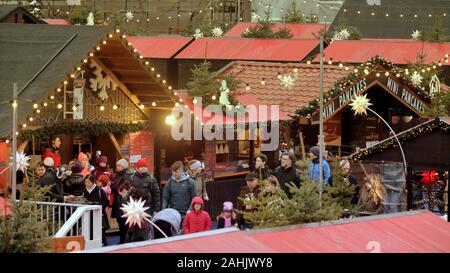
x=169 y=221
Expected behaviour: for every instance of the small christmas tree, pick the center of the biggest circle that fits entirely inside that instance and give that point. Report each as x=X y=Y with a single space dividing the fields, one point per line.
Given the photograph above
x=435 y=33
x=293 y=15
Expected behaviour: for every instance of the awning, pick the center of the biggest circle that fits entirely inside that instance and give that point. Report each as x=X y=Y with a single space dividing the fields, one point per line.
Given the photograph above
x=159 y=47
x=405 y=232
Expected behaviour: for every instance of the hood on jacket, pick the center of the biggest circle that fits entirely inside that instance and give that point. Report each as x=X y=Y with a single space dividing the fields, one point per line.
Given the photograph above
x=184 y=176
x=197 y=199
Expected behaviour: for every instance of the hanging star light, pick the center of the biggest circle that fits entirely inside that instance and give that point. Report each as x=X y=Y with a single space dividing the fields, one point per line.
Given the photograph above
x=287 y=81
x=360 y=104
x=134 y=211
x=198 y=33
x=129 y=15
x=344 y=34
x=416 y=78
x=217 y=32
x=416 y=34
x=22 y=161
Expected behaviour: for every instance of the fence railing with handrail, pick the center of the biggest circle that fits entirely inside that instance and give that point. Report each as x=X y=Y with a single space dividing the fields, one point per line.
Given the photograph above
x=65 y=219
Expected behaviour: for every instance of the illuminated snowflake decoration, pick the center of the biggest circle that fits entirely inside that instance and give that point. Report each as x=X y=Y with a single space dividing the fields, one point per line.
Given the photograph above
x=217 y=32
x=198 y=33
x=287 y=81
x=416 y=78
x=416 y=34
x=343 y=34
x=129 y=15
x=134 y=211
x=360 y=104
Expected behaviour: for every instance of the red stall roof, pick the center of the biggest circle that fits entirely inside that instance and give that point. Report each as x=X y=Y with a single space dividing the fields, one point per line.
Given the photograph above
x=248 y=49
x=396 y=50
x=406 y=232
x=302 y=31
x=57 y=21
x=159 y=47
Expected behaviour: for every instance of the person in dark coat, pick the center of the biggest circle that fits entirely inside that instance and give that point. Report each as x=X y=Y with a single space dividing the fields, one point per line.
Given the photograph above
x=74 y=184
x=261 y=168
x=250 y=191
x=287 y=172
x=96 y=196
x=56 y=192
x=179 y=190
x=120 y=185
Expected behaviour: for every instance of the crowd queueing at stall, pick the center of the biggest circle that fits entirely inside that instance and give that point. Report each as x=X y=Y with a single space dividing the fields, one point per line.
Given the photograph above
x=183 y=196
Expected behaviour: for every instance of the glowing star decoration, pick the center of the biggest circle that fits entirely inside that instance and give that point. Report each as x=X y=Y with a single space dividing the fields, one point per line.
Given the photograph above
x=416 y=78
x=22 y=161
x=129 y=15
x=287 y=81
x=344 y=34
x=360 y=104
x=217 y=32
x=416 y=34
x=134 y=211
x=198 y=33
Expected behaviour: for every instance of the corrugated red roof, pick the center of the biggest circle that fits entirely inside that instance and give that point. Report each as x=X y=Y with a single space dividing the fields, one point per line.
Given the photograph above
x=306 y=83
x=302 y=31
x=293 y=50
x=395 y=50
x=57 y=21
x=158 y=47
x=406 y=232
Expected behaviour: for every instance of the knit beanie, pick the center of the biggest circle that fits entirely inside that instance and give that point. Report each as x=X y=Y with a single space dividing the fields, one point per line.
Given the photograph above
x=77 y=167
x=141 y=163
x=82 y=156
x=48 y=162
x=104 y=178
x=102 y=159
x=123 y=162
x=315 y=150
x=227 y=206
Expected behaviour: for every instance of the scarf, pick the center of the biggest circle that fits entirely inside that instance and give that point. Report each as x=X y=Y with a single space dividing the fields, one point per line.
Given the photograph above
x=227 y=221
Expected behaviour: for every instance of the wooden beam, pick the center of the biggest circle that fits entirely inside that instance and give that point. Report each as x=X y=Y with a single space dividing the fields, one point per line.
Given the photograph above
x=115 y=143
x=22 y=146
x=122 y=86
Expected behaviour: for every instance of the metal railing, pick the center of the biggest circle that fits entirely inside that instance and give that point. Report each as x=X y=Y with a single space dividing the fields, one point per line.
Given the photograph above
x=64 y=219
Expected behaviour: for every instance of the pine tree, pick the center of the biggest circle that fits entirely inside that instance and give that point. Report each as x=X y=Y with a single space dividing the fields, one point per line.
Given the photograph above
x=435 y=33
x=293 y=15
x=203 y=83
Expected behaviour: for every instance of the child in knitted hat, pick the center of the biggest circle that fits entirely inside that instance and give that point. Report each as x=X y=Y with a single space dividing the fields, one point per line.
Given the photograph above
x=228 y=217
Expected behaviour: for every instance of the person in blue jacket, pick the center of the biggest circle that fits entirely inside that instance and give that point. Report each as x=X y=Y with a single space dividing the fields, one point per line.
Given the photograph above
x=314 y=166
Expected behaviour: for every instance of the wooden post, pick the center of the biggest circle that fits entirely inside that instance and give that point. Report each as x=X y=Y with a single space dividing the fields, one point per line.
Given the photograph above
x=302 y=144
x=116 y=144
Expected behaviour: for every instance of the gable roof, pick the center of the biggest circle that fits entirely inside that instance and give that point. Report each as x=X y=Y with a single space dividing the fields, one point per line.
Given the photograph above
x=7 y=10
x=305 y=88
x=397 y=51
x=379 y=25
x=442 y=123
x=396 y=232
x=299 y=31
x=159 y=47
x=25 y=49
x=289 y=50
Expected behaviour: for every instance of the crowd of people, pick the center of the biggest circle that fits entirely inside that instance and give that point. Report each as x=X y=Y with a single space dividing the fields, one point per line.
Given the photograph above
x=185 y=192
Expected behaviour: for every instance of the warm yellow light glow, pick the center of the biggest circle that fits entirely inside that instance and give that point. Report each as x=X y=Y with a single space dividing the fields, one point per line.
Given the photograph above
x=115 y=107
x=60 y=106
x=170 y=120
x=35 y=106
x=102 y=108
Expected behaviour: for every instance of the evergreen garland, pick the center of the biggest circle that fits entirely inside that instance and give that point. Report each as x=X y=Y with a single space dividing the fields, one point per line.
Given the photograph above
x=343 y=84
x=91 y=128
x=264 y=30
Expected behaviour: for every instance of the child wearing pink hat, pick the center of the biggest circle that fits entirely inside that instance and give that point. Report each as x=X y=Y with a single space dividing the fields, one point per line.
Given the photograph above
x=228 y=217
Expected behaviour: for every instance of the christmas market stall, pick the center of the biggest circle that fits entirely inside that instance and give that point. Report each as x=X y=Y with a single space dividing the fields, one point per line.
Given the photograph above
x=87 y=85
x=427 y=153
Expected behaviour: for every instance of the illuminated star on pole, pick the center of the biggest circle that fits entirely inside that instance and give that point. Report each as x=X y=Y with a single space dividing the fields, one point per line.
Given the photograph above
x=360 y=104
x=134 y=212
